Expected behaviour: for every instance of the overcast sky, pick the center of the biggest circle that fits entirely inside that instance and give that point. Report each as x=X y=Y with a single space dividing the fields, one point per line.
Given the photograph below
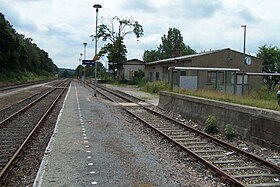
x=61 y=26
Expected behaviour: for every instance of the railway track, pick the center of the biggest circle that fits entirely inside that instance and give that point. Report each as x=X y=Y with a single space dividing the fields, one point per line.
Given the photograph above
x=14 y=99
x=232 y=165
x=17 y=130
x=11 y=87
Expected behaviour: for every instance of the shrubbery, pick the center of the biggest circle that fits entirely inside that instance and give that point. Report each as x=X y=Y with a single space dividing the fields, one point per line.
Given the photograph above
x=229 y=132
x=156 y=87
x=211 y=127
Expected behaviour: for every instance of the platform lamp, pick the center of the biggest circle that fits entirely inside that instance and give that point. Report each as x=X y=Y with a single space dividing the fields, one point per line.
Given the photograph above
x=81 y=54
x=96 y=6
x=80 y=73
x=84 y=68
x=244 y=61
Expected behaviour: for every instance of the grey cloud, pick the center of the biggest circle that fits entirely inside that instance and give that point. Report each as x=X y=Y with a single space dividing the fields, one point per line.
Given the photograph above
x=30 y=0
x=183 y=8
x=14 y=18
x=199 y=8
x=56 y=30
x=142 y=6
x=247 y=16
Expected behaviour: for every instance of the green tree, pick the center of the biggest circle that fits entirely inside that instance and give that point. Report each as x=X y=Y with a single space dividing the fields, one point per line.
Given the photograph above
x=7 y=39
x=19 y=56
x=79 y=71
x=172 y=45
x=271 y=64
x=115 y=48
x=152 y=55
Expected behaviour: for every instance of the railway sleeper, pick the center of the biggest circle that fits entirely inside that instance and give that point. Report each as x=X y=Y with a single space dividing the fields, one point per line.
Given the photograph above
x=171 y=130
x=263 y=184
x=208 y=151
x=201 y=146
x=255 y=175
x=187 y=139
x=185 y=135
x=240 y=168
x=227 y=161
x=194 y=143
x=181 y=136
x=212 y=156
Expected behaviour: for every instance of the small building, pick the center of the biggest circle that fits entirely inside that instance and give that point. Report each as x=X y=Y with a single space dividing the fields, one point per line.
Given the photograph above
x=211 y=69
x=128 y=69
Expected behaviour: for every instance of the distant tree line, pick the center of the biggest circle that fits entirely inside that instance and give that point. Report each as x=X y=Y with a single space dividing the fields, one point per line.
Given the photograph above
x=19 y=55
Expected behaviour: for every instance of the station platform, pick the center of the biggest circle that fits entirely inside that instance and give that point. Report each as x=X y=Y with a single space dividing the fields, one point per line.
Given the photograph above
x=93 y=146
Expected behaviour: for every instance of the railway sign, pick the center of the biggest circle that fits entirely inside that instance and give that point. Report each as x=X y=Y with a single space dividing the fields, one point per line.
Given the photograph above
x=88 y=62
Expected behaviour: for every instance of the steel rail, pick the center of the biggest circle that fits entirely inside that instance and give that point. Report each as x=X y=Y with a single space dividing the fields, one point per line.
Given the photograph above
x=223 y=175
x=225 y=144
x=29 y=105
x=8 y=166
x=108 y=90
x=22 y=85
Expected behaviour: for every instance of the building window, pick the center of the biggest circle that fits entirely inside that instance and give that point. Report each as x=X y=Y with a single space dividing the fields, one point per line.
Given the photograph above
x=157 y=76
x=183 y=73
x=151 y=76
x=213 y=75
x=130 y=74
x=239 y=79
x=135 y=73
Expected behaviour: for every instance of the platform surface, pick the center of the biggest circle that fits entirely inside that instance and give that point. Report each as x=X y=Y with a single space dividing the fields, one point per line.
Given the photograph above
x=92 y=146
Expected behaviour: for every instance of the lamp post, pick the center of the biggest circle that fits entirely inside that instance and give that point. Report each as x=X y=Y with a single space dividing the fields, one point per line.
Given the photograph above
x=244 y=61
x=96 y=6
x=84 y=77
x=81 y=54
x=80 y=73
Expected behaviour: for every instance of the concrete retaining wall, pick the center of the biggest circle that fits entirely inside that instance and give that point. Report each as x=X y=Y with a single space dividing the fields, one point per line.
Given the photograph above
x=257 y=125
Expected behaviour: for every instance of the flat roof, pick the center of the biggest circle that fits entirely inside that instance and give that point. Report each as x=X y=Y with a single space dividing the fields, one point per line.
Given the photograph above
x=204 y=69
x=263 y=74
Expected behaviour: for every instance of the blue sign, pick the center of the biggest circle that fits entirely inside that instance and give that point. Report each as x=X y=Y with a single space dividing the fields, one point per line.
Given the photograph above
x=88 y=62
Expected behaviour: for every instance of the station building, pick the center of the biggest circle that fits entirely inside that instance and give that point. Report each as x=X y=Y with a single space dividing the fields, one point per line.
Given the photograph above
x=128 y=69
x=224 y=70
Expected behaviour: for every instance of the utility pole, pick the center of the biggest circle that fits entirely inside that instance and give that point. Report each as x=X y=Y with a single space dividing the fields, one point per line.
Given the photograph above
x=244 y=60
x=84 y=77
x=96 y=6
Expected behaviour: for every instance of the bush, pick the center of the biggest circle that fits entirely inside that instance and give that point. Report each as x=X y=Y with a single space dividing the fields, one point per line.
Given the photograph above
x=138 y=77
x=142 y=82
x=211 y=127
x=156 y=87
x=229 y=132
